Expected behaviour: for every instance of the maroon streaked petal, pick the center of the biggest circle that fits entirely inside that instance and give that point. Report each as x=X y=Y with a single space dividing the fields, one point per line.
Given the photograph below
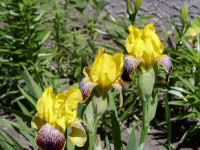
x=49 y=138
x=119 y=88
x=86 y=87
x=129 y=66
x=166 y=63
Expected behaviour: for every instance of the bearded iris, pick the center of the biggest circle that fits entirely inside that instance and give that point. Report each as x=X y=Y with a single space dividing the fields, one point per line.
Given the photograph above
x=104 y=74
x=55 y=113
x=146 y=51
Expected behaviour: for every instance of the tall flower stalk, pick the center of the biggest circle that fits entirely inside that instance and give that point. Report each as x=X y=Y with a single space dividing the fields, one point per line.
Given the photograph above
x=146 y=51
x=102 y=76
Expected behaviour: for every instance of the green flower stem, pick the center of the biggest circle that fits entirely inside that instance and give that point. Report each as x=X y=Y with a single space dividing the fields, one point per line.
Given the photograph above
x=149 y=104
x=145 y=124
x=94 y=111
x=91 y=141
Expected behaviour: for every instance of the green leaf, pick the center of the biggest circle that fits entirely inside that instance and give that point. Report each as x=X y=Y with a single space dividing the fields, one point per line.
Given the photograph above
x=127 y=111
x=132 y=145
x=107 y=143
x=34 y=89
x=168 y=147
x=29 y=99
x=31 y=139
x=13 y=140
x=175 y=29
x=116 y=133
x=167 y=116
x=23 y=108
x=24 y=116
x=181 y=116
x=193 y=130
x=5 y=144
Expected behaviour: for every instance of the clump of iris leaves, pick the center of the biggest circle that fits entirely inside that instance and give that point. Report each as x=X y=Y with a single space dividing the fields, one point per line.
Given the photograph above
x=44 y=42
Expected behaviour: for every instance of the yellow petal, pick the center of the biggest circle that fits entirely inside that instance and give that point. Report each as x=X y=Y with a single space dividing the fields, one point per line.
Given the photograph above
x=119 y=62
x=96 y=68
x=36 y=122
x=139 y=48
x=45 y=106
x=106 y=69
x=66 y=107
x=149 y=26
x=144 y=44
x=86 y=71
x=78 y=135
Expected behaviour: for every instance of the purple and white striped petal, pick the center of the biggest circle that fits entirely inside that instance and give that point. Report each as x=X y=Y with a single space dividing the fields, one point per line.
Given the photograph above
x=129 y=66
x=166 y=63
x=86 y=87
x=49 y=138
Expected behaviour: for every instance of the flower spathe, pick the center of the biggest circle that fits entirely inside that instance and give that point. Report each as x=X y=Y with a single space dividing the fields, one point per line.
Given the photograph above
x=104 y=74
x=146 y=50
x=55 y=113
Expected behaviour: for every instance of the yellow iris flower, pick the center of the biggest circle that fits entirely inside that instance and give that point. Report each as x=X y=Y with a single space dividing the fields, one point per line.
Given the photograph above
x=145 y=49
x=54 y=115
x=104 y=74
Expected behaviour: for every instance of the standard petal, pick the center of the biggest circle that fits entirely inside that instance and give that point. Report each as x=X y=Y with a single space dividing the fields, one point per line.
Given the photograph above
x=36 y=122
x=86 y=87
x=45 y=106
x=119 y=62
x=66 y=107
x=165 y=61
x=49 y=138
x=129 y=66
x=118 y=87
x=78 y=135
x=95 y=71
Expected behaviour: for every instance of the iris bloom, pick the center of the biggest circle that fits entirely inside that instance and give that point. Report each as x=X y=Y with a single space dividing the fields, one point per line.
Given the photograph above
x=146 y=50
x=54 y=115
x=104 y=74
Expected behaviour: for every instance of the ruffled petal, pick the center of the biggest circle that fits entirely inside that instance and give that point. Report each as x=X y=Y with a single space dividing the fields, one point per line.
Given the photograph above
x=45 y=106
x=129 y=66
x=78 y=135
x=165 y=61
x=86 y=87
x=49 y=138
x=119 y=62
x=36 y=122
x=66 y=107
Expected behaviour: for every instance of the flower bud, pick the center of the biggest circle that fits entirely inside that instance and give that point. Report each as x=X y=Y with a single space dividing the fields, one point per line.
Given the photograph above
x=100 y=104
x=184 y=14
x=146 y=83
x=88 y=118
x=138 y=4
